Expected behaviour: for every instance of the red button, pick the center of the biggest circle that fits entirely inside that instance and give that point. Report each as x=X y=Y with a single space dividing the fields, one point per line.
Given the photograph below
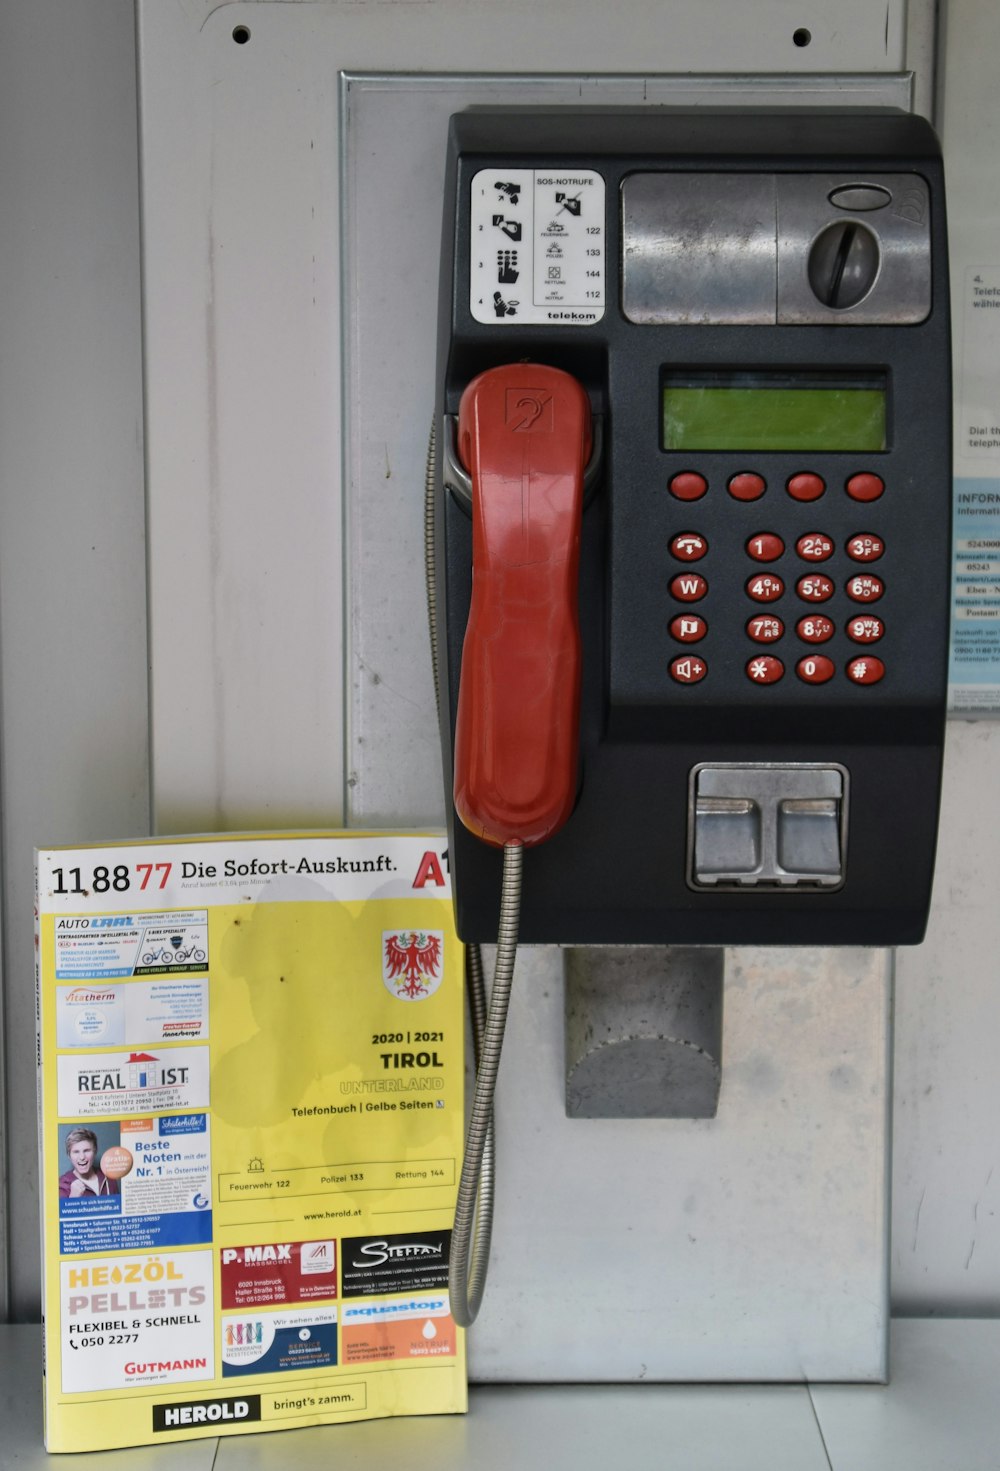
x=688 y=486
x=815 y=547
x=765 y=589
x=806 y=487
x=865 y=548
x=688 y=547
x=687 y=628
x=765 y=547
x=747 y=486
x=688 y=587
x=815 y=588
x=687 y=670
x=815 y=669
x=865 y=487
x=765 y=669
x=815 y=629
x=764 y=630
x=868 y=670
x=865 y=630
x=866 y=589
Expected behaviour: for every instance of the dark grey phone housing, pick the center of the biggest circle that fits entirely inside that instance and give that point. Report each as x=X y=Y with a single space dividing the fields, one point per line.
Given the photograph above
x=728 y=810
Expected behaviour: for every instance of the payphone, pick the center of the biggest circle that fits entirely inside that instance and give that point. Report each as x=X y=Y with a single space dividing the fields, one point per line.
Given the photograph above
x=691 y=533
x=733 y=685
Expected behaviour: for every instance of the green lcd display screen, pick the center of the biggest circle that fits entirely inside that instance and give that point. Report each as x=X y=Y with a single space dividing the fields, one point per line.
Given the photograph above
x=774 y=411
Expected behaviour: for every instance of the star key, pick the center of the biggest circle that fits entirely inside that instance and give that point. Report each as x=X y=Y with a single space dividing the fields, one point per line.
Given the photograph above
x=765 y=669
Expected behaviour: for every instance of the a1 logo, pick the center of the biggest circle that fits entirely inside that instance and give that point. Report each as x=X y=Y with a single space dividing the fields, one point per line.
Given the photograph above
x=429 y=871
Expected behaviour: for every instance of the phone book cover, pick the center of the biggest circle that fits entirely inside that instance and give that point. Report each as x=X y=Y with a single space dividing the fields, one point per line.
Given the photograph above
x=250 y=1111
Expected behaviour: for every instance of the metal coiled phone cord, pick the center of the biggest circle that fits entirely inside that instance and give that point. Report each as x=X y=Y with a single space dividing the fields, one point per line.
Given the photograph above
x=473 y=1229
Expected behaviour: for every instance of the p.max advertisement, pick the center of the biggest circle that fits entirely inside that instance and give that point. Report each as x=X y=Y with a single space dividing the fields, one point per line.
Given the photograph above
x=251 y=1115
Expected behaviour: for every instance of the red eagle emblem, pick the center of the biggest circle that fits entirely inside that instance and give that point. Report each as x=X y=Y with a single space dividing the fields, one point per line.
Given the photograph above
x=412 y=961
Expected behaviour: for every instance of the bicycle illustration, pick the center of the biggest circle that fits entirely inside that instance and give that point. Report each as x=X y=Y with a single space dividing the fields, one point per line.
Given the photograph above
x=178 y=954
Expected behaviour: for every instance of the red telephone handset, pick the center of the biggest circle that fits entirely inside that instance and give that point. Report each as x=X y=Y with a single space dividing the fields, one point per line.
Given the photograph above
x=524 y=436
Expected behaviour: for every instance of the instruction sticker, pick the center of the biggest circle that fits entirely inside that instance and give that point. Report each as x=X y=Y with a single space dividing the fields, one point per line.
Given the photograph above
x=975 y=640
x=537 y=247
x=975 y=643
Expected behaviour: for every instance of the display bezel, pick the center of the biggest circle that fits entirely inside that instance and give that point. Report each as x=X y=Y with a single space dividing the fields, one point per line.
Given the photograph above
x=845 y=427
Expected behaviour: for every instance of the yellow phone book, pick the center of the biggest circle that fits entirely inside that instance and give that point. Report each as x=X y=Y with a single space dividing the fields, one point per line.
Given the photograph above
x=250 y=1110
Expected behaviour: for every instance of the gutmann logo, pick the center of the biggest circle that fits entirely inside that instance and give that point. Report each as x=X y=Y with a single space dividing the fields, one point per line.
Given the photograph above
x=375 y=1253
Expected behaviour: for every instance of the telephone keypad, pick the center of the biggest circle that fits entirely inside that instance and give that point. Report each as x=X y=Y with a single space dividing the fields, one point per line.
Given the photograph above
x=765 y=547
x=746 y=486
x=865 y=630
x=765 y=629
x=815 y=588
x=765 y=669
x=867 y=589
x=867 y=670
x=805 y=486
x=865 y=487
x=688 y=628
x=769 y=587
x=688 y=486
x=688 y=587
x=815 y=669
x=688 y=547
x=687 y=670
x=865 y=548
x=816 y=547
x=765 y=589
x=815 y=629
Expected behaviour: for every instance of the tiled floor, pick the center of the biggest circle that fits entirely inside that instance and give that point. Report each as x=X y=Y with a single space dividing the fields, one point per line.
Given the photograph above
x=940 y=1413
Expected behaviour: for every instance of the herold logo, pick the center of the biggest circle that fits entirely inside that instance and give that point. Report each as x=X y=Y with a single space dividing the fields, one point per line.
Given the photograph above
x=206 y=1412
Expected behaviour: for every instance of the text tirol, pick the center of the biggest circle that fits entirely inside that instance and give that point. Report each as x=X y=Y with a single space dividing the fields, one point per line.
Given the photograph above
x=410 y=1059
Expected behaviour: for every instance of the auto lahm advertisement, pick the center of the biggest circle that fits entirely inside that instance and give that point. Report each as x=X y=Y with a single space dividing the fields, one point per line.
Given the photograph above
x=250 y=1095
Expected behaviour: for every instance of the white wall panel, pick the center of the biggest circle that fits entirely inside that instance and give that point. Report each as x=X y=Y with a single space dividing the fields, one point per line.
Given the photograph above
x=72 y=553
x=241 y=258
x=242 y=293
x=946 y=1175
x=946 y=1122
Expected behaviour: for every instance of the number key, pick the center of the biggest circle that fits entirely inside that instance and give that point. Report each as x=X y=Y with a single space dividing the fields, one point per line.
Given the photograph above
x=765 y=547
x=815 y=547
x=865 y=548
x=815 y=589
x=765 y=589
x=815 y=629
x=764 y=630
